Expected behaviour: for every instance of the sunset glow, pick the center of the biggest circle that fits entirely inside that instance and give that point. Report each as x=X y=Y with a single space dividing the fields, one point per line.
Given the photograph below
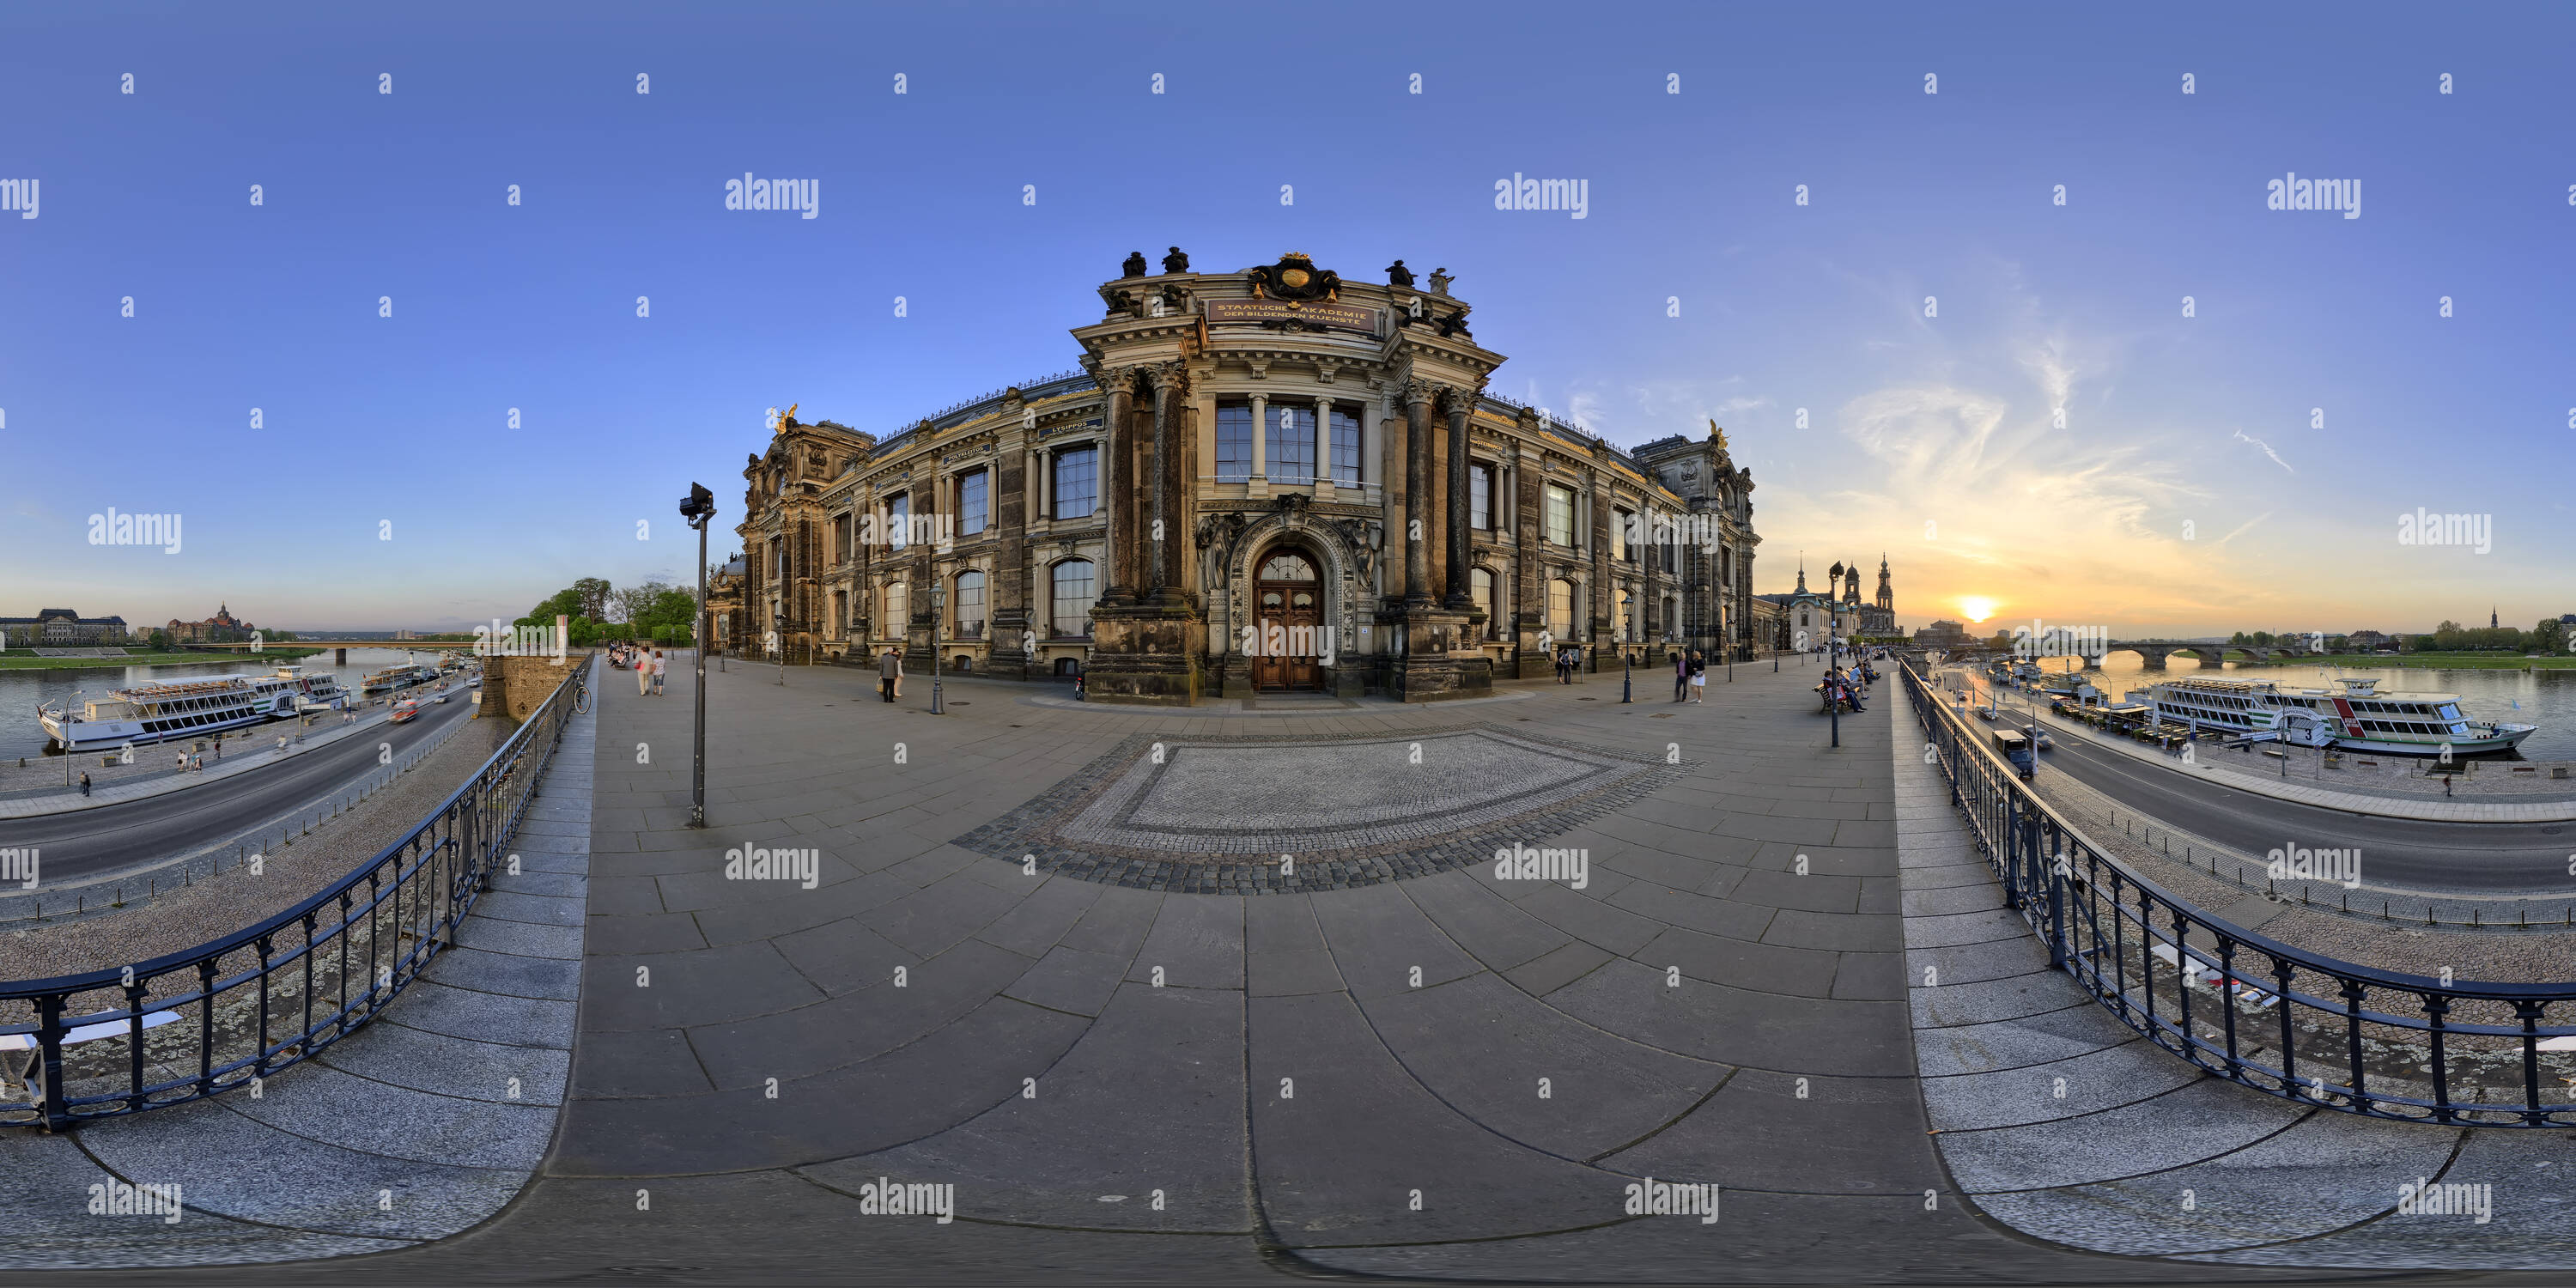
x=1976 y=608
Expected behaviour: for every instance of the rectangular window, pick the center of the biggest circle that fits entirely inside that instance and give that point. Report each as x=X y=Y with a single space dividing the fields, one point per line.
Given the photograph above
x=1480 y=498
x=974 y=492
x=1076 y=476
x=1072 y=600
x=1346 y=448
x=1233 y=442
x=1560 y=515
x=1619 y=548
x=898 y=519
x=1291 y=445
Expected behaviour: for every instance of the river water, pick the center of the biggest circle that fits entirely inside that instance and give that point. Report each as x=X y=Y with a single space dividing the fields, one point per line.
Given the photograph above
x=2543 y=698
x=21 y=691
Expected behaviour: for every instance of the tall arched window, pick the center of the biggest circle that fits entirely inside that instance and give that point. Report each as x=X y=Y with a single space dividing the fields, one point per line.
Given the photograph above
x=1071 y=605
x=969 y=622
x=1560 y=608
x=1482 y=581
x=898 y=612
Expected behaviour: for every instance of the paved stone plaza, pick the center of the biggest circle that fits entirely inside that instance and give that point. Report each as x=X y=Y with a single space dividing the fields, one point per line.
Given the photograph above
x=1255 y=813
x=1146 y=1085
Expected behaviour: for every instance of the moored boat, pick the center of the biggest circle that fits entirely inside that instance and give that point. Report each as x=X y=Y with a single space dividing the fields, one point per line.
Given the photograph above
x=2353 y=717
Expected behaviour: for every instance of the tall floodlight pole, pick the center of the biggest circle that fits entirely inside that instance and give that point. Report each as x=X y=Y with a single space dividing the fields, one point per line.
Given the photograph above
x=698 y=508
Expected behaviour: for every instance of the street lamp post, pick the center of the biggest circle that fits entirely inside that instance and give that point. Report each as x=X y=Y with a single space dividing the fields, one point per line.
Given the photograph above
x=778 y=643
x=698 y=508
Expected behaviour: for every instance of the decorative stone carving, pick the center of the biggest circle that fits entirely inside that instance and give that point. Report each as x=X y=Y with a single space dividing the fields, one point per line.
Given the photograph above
x=1295 y=277
x=1133 y=265
x=1176 y=262
x=1398 y=275
x=1440 y=280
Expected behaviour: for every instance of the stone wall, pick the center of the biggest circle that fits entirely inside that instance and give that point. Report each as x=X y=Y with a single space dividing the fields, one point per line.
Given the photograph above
x=514 y=686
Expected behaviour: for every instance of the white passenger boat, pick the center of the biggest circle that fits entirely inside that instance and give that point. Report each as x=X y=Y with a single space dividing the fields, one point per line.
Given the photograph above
x=2354 y=717
x=155 y=712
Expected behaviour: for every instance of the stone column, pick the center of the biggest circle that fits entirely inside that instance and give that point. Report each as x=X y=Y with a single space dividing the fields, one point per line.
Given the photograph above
x=1112 y=484
x=1461 y=404
x=1169 y=385
x=1417 y=494
x=1260 y=440
x=1324 y=446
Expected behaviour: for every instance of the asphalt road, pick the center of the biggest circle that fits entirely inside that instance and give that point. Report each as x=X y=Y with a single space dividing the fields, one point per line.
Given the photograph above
x=2404 y=854
x=96 y=842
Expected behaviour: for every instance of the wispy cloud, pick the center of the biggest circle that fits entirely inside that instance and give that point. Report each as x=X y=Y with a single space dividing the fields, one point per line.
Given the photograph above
x=2267 y=450
x=2240 y=528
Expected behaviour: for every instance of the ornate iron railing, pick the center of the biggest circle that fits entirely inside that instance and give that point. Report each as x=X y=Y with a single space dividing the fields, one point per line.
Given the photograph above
x=2244 y=1007
x=232 y=1012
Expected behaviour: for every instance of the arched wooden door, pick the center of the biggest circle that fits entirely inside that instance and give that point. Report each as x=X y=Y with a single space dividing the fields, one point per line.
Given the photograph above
x=1288 y=612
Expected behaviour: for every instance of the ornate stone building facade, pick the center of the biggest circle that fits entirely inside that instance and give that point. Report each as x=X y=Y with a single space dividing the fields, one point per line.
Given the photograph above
x=1260 y=480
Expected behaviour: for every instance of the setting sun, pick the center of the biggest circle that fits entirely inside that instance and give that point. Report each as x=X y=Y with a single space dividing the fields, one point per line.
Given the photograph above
x=1977 y=607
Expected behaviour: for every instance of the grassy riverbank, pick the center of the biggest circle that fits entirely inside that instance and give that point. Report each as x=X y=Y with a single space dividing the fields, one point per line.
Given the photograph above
x=22 y=660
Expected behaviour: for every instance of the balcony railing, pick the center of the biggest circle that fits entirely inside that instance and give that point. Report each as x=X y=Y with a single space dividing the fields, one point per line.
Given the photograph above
x=2250 y=1009
x=209 y=1019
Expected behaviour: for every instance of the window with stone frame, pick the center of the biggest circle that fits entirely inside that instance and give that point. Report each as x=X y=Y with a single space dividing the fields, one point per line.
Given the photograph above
x=1346 y=447
x=1481 y=584
x=1560 y=607
x=1560 y=514
x=974 y=502
x=898 y=513
x=1071 y=600
x=1233 y=442
x=969 y=607
x=1290 y=448
x=1480 y=497
x=1077 y=475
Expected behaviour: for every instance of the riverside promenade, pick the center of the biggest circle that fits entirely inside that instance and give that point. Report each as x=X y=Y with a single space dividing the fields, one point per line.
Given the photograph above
x=1125 y=1082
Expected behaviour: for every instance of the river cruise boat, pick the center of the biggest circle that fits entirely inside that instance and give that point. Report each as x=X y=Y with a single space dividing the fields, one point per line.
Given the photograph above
x=2353 y=717
x=183 y=709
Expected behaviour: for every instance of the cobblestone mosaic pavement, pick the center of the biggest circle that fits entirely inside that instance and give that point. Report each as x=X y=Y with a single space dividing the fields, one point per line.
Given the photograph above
x=1220 y=813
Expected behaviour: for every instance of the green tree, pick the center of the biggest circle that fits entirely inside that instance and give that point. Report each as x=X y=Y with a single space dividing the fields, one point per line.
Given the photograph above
x=592 y=593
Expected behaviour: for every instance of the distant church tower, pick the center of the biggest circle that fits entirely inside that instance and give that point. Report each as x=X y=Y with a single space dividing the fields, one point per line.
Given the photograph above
x=1886 y=589
x=2491 y=617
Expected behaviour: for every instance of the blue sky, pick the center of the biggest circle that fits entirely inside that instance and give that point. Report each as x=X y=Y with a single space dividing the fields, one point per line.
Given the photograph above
x=1932 y=438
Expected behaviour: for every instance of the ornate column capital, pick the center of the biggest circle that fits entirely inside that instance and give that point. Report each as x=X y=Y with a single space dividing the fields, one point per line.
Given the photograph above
x=1415 y=390
x=1168 y=377
x=1114 y=379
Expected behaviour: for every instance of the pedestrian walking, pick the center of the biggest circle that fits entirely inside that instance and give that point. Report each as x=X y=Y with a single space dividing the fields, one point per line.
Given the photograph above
x=1699 y=678
x=661 y=666
x=889 y=673
x=1681 y=675
x=219 y=748
x=84 y=782
x=643 y=677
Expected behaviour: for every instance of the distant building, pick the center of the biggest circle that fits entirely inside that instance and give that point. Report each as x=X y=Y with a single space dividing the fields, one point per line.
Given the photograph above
x=222 y=628
x=1811 y=619
x=2371 y=640
x=728 y=625
x=405 y=635
x=1943 y=634
x=62 y=628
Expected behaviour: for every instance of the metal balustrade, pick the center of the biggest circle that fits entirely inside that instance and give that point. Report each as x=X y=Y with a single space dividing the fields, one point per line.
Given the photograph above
x=232 y=1012
x=2242 y=1006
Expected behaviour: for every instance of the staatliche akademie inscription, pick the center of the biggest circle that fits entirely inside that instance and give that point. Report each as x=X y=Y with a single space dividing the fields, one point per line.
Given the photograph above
x=1308 y=312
